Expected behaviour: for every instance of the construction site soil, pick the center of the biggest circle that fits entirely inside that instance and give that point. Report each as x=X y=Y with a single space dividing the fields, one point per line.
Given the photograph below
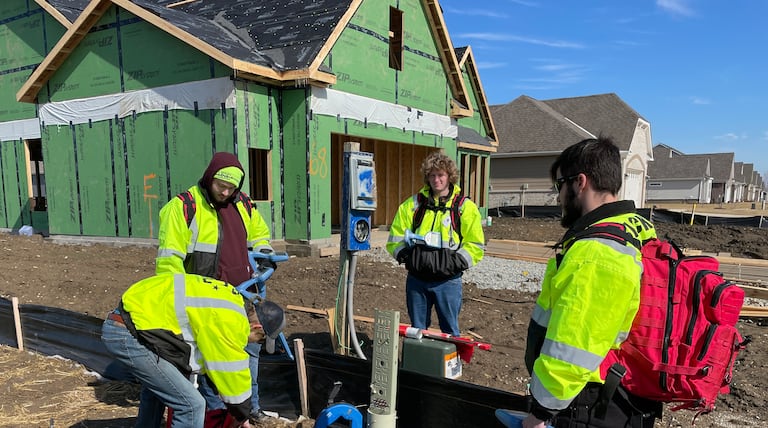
x=40 y=391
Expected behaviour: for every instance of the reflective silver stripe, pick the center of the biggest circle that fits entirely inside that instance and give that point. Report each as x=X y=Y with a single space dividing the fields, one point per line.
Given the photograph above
x=621 y=337
x=201 y=247
x=167 y=252
x=236 y=399
x=477 y=244
x=465 y=255
x=619 y=247
x=260 y=247
x=572 y=355
x=179 y=300
x=393 y=238
x=544 y=397
x=227 y=366
x=207 y=302
x=541 y=316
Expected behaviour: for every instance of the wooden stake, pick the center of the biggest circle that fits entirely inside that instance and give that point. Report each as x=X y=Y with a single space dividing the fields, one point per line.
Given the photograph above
x=298 y=347
x=17 y=323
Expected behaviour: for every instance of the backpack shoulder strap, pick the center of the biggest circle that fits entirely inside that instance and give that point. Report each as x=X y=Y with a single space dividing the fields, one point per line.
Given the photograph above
x=421 y=208
x=458 y=202
x=189 y=206
x=246 y=200
x=613 y=231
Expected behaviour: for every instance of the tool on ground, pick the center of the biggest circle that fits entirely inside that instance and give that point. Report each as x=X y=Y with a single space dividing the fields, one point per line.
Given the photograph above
x=336 y=411
x=464 y=346
x=263 y=265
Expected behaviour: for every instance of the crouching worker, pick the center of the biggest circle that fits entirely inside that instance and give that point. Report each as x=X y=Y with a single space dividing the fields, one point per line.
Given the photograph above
x=170 y=328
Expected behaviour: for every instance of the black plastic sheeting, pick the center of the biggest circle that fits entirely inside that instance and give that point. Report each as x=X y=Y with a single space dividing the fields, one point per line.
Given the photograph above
x=422 y=401
x=655 y=215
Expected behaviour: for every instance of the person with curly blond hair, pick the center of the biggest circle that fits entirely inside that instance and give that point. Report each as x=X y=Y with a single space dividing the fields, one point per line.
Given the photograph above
x=437 y=233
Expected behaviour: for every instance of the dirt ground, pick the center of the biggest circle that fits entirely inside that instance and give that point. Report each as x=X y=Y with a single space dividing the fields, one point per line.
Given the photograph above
x=41 y=392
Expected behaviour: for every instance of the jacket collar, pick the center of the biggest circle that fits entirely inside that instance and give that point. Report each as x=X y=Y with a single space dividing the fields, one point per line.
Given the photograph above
x=604 y=211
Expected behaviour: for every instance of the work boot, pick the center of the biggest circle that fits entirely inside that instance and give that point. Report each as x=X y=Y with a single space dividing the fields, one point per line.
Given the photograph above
x=258 y=417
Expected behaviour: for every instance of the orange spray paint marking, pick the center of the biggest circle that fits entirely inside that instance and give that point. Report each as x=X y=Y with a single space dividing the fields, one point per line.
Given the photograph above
x=147 y=198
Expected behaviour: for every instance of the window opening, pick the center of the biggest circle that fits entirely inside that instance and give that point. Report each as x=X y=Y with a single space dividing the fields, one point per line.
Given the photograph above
x=395 y=38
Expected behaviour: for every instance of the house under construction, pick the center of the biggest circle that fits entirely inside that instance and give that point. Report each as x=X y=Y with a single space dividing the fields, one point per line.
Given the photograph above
x=109 y=108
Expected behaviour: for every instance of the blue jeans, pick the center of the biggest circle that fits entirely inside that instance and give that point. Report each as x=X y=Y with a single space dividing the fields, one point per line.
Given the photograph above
x=212 y=399
x=162 y=384
x=445 y=296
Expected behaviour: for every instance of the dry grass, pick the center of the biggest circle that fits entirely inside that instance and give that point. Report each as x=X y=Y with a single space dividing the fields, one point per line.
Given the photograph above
x=50 y=391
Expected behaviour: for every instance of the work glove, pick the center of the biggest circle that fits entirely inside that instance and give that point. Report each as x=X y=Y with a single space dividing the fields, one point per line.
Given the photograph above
x=404 y=255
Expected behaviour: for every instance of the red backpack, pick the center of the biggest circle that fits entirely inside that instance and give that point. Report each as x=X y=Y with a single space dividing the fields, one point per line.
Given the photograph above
x=683 y=341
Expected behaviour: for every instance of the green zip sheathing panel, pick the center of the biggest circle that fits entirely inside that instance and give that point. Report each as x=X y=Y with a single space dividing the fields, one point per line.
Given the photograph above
x=122 y=53
x=258 y=127
x=27 y=33
x=257 y=115
x=110 y=178
x=15 y=207
x=360 y=59
x=296 y=180
x=475 y=122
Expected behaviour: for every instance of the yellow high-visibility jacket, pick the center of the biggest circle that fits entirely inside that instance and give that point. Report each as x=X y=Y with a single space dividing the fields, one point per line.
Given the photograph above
x=198 y=324
x=195 y=248
x=590 y=295
x=455 y=254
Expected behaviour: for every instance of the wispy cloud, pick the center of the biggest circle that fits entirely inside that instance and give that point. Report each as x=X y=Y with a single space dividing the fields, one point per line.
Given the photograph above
x=731 y=136
x=487 y=65
x=700 y=101
x=498 y=37
x=675 y=7
x=476 y=12
x=627 y=43
x=525 y=3
x=765 y=136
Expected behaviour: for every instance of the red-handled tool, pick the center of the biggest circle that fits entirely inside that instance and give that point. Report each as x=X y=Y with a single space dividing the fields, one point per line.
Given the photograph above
x=464 y=346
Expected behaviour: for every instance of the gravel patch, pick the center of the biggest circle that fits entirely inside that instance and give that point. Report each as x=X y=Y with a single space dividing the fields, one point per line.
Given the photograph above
x=491 y=273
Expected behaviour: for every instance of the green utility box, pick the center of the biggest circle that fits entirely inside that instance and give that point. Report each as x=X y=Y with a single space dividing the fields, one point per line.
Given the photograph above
x=431 y=357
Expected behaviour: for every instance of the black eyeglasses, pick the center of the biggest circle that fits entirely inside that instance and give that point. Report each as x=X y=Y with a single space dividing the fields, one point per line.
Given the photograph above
x=559 y=182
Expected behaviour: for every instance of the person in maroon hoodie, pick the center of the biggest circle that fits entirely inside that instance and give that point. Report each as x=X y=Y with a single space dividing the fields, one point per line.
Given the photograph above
x=208 y=230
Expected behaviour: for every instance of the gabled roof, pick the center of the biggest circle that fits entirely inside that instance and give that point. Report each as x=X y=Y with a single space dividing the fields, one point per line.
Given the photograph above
x=722 y=166
x=749 y=170
x=526 y=125
x=605 y=114
x=738 y=172
x=669 y=150
x=64 y=11
x=282 y=42
x=669 y=163
x=274 y=40
x=467 y=59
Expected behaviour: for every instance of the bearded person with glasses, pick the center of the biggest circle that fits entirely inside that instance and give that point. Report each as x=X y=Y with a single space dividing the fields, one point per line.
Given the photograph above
x=590 y=295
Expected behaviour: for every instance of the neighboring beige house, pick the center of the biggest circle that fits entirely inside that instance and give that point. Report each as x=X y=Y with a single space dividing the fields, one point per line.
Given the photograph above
x=531 y=133
x=677 y=177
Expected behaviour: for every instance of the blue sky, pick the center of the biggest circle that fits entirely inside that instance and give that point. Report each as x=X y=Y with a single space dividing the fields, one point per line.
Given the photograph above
x=697 y=70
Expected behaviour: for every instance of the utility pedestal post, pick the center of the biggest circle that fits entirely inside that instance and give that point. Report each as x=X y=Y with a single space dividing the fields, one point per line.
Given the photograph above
x=358 y=202
x=386 y=343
